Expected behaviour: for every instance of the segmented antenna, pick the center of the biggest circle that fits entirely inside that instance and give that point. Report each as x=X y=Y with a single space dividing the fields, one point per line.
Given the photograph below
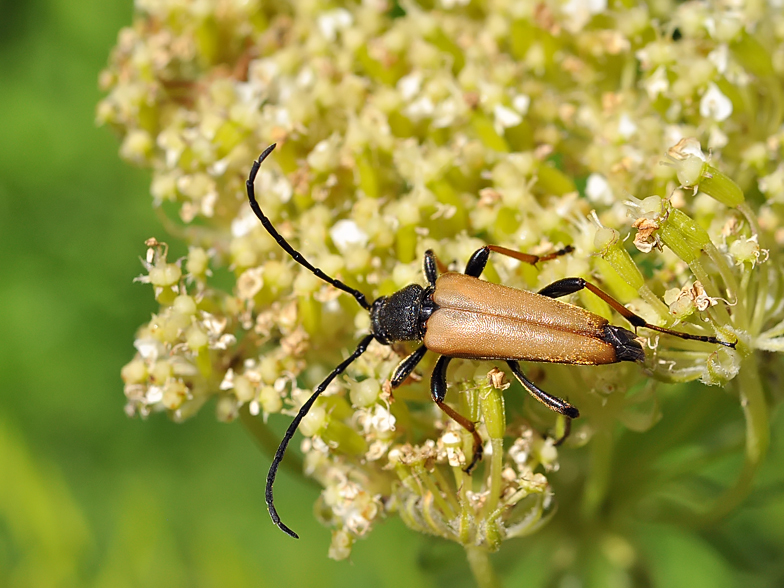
x=273 y=471
x=296 y=255
x=361 y=348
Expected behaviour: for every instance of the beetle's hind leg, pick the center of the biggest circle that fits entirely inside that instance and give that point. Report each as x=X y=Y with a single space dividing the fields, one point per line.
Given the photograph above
x=478 y=261
x=572 y=285
x=438 y=391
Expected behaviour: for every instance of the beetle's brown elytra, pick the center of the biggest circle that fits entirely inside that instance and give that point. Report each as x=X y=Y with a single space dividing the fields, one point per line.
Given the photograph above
x=516 y=324
x=460 y=316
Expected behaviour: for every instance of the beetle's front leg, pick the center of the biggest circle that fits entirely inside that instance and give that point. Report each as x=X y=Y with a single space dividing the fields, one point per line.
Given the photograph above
x=431 y=267
x=405 y=367
x=438 y=391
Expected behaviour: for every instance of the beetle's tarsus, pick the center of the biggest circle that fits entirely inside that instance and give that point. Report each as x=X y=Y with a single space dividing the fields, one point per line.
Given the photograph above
x=566 y=433
x=477 y=457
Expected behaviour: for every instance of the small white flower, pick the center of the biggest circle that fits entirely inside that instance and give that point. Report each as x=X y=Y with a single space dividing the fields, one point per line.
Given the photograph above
x=228 y=380
x=521 y=103
x=420 y=108
x=505 y=118
x=657 y=83
x=150 y=349
x=579 y=12
x=714 y=104
x=409 y=85
x=333 y=21
x=720 y=58
x=154 y=394
x=598 y=190
x=346 y=235
x=244 y=223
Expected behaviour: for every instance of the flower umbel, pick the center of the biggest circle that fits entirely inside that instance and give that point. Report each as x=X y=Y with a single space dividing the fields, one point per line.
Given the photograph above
x=402 y=128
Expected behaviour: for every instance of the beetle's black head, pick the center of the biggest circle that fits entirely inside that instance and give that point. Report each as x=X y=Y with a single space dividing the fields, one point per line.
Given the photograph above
x=401 y=316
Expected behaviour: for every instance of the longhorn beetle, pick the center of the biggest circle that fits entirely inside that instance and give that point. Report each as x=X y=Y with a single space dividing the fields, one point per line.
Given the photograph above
x=459 y=315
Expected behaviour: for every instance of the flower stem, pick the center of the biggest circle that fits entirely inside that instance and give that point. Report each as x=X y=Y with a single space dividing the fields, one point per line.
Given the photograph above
x=755 y=411
x=598 y=480
x=481 y=568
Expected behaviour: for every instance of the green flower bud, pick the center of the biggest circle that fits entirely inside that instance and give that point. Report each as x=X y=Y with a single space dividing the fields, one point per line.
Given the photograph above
x=160 y=372
x=364 y=393
x=185 y=305
x=165 y=274
x=270 y=400
x=175 y=393
x=226 y=409
x=721 y=187
x=243 y=389
x=137 y=146
x=198 y=261
x=315 y=422
x=134 y=372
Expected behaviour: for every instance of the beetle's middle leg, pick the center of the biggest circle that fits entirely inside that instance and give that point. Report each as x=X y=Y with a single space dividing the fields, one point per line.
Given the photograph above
x=571 y=285
x=478 y=261
x=552 y=402
x=438 y=391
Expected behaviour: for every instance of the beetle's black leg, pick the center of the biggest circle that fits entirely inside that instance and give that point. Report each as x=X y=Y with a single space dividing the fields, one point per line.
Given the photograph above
x=405 y=367
x=273 y=471
x=438 y=380
x=478 y=261
x=572 y=285
x=476 y=265
x=431 y=267
x=438 y=391
x=563 y=287
x=552 y=402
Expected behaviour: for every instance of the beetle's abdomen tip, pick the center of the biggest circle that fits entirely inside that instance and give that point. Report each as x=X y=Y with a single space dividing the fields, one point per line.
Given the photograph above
x=625 y=343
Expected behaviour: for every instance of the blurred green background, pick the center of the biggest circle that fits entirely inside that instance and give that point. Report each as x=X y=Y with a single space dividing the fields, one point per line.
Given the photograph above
x=89 y=497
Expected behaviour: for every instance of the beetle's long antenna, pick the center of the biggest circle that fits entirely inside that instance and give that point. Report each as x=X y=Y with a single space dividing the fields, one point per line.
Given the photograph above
x=273 y=471
x=296 y=255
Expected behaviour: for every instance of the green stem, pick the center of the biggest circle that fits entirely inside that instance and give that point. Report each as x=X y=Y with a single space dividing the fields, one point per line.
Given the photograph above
x=751 y=218
x=429 y=483
x=654 y=301
x=598 y=480
x=722 y=316
x=481 y=568
x=730 y=284
x=759 y=314
x=755 y=411
x=496 y=466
